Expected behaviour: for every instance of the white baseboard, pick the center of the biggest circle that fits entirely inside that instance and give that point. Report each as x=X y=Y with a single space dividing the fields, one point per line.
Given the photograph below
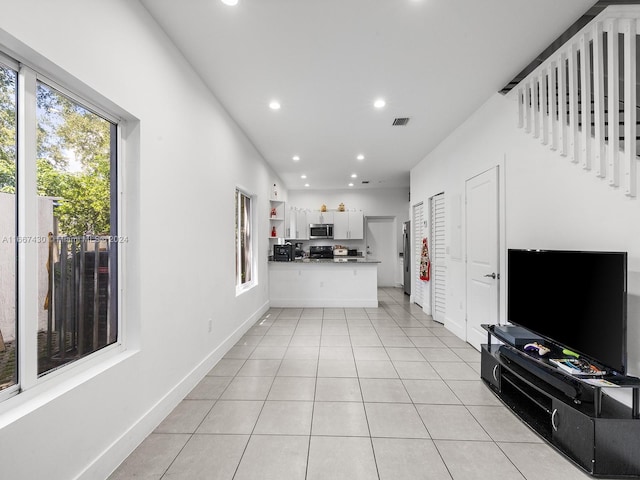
x=458 y=329
x=121 y=448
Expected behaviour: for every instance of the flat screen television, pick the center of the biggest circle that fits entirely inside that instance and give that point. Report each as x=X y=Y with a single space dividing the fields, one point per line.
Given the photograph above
x=576 y=299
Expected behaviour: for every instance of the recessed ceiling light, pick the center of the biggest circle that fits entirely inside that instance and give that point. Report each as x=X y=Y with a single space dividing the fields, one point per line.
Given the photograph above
x=303 y=176
x=351 y=184
x=306 y=184
x=231 y=3
x=296 y=158
x=360 y=157
x=379 y=103
x=274 y=105
x=353 y=175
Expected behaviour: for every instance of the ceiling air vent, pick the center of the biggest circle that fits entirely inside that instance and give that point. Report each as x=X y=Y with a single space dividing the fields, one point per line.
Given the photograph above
x=364 y=182
x=400 y=121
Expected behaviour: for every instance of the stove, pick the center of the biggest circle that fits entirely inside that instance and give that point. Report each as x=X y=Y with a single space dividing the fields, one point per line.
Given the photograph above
x=320 y=251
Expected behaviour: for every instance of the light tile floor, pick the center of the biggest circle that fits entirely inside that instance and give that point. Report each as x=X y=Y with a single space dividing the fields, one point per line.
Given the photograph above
x=327 y=394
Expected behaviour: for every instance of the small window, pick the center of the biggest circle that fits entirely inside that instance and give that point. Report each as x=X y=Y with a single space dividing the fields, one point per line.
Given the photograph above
x=244 y=250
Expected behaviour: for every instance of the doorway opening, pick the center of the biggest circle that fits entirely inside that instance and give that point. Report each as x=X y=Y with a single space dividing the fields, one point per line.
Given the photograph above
x=381 y=243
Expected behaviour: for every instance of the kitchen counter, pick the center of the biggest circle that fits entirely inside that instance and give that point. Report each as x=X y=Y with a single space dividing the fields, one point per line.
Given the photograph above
x=338 y=260
x=324 y=283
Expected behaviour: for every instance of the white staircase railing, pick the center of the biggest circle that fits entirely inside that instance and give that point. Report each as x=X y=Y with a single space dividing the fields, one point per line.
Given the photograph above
x=582 y=100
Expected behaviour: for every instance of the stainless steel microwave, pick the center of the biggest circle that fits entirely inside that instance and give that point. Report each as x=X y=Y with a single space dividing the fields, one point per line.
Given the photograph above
x=320 y=230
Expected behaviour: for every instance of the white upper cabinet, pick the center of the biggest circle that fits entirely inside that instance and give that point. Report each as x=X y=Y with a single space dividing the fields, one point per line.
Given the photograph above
x=348 y=225
x=316 y=216
x=298 y=224
x=356 y=225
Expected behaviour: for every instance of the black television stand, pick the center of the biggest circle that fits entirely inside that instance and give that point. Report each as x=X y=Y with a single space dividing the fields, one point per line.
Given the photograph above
x=574 y=415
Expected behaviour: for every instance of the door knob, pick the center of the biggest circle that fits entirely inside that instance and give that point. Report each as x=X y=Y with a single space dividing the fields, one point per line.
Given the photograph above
x=492 y=275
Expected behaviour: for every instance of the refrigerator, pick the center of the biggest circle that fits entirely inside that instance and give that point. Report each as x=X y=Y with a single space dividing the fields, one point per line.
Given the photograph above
x=406 y=256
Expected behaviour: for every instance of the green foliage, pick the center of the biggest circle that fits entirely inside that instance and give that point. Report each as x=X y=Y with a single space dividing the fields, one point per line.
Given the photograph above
x=73 y=164
x=67 y=130
x=84 y=204
x=7 y=176
x=7 y=130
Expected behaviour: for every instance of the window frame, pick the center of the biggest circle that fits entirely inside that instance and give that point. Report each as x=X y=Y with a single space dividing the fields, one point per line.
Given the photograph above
x=11 y=64
x=242 y=287
x=29 y=383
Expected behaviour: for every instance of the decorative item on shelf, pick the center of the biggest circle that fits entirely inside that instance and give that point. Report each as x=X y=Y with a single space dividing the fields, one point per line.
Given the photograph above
x=274 y=213
x=275 y=192
x=323 y=208
x=341 y=207
x=273 y=232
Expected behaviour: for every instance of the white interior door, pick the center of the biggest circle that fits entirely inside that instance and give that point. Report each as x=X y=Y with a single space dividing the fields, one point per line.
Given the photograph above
x=418 y=288
x=381 y=242
x=438 y=261
x=482 y=254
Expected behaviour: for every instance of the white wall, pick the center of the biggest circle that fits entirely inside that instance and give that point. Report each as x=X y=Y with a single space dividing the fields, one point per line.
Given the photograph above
x=183 y=158
x=546 y=202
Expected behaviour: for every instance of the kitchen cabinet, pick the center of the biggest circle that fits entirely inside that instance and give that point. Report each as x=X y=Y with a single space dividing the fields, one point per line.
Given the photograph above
x=297 y=224
x=348 y=225
x=316 y=216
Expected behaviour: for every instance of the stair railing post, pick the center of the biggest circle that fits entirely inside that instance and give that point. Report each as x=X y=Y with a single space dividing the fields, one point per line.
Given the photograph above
x=553 y=105
x=520 y=108
x=544 y=105
x=630 y=161
x=527 y=107
x=599 y=156
x=574 y=138
x=585 y=102
x=562 y=103
x=613 y=104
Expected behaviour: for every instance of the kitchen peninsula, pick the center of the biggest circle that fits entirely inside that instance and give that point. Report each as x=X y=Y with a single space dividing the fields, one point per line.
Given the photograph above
x=324 y=283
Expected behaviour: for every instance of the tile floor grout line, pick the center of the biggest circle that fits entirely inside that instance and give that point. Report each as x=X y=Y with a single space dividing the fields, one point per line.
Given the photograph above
x=313 y=407
x=244 y=450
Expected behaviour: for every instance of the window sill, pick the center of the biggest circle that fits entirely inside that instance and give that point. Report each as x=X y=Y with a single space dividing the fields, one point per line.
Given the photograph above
x=241 y=289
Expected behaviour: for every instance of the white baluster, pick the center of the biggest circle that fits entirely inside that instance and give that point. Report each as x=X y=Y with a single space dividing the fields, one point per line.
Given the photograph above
x=599 y=155
x=520 y=107
x=544 y=103
x=553 y=106
x=535 y=91
x=629 y=176
x=613 y=168
x=562 y=103
x=585 y=100
x=527 y=107
x=574 y=139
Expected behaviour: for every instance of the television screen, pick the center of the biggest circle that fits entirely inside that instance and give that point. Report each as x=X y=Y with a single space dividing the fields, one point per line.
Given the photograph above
x=576 y=299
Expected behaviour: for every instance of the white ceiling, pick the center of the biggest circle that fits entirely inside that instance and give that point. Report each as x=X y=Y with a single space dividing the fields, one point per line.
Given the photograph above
x=325 y=61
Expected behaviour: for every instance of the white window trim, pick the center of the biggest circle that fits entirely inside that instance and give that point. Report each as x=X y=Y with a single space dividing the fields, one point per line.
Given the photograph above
x=245 y=287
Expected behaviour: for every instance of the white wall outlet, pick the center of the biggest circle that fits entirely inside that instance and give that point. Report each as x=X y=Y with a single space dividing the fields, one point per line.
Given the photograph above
x=210 y=325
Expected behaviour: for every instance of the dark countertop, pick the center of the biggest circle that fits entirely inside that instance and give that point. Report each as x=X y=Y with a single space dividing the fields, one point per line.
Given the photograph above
x=343 y=260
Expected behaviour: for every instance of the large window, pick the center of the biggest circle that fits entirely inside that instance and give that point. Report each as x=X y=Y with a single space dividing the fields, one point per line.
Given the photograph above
x=244 y=251
x=59 y=179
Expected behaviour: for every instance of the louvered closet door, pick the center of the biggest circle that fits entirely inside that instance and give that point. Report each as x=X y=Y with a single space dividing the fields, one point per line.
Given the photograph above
x=419 y=287
x=438 y=265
